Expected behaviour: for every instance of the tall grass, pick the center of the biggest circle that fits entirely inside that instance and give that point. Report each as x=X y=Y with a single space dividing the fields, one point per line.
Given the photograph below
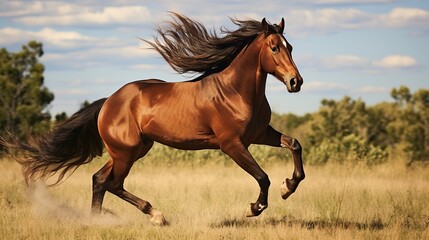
x=209 y=202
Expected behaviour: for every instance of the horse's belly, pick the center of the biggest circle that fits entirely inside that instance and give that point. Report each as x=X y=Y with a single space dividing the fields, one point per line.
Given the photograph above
x=180 y=135
x=194 y=144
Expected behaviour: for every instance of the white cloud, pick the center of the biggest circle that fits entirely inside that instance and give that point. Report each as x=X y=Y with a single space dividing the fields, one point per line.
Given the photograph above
x=344 y=62
x=396 y=62
x=17 y=8
x=72 y=49
x=63 y=39
x=125 y=15
x=406 y=17
x=126 y=52
x=98 y=56
x=358 y=63
x=348 y=1
x=44 y=8
x=49 y=36
x=330 y=20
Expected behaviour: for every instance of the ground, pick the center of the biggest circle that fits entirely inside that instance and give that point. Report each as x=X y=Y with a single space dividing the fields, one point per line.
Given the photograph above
x=209 y=202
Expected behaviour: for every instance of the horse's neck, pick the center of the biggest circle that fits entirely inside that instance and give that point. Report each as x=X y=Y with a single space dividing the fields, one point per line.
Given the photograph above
x=246 y=76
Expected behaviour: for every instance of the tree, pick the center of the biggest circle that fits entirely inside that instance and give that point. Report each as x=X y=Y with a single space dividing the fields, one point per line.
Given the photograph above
x=60 y=117
x=84 y=104
x=338 y=119
x=342 y=132
x=402 y=96
x=23 y=98
x=421 y=101
x=413 y=122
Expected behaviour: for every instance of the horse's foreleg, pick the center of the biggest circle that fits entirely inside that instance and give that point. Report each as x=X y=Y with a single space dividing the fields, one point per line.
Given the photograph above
x=239 y=153
x=274 y=138
x=289 y=185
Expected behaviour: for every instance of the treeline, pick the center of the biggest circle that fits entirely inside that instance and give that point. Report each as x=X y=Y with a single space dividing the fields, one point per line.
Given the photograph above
x=348 y=130
x=341 y=131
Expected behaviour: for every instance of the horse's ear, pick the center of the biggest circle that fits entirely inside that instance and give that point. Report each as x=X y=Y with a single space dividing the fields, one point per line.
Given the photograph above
x=265 y=27
x=282 y=25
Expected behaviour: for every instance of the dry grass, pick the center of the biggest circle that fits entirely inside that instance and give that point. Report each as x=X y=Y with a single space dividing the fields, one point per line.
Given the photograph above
x=209 y=202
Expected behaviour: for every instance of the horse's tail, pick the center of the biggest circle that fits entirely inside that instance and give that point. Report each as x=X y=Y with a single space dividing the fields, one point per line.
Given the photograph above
x=69 y=145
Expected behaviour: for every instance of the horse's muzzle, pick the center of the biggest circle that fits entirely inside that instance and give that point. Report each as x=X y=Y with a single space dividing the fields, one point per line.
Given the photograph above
x=293 y=84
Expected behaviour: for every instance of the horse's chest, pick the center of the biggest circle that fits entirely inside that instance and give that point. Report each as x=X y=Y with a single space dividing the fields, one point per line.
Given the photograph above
x=256 y=123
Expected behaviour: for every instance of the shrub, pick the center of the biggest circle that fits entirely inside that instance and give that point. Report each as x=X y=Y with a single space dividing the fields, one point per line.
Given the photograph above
x=351 y=148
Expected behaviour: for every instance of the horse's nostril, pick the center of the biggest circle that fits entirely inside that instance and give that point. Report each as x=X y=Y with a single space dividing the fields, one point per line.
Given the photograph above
x=293 y=82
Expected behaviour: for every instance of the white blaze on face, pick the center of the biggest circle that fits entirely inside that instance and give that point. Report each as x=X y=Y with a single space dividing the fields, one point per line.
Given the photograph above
x=284 y=43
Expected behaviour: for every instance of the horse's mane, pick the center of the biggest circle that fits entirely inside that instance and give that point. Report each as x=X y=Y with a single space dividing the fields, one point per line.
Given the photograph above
x=190 y=48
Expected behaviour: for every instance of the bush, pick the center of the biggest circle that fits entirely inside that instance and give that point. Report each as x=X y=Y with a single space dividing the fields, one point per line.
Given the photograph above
x=351 y=148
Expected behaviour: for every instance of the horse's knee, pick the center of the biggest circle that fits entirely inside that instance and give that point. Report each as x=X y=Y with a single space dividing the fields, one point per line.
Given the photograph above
x=296 y=146
x=291 y=143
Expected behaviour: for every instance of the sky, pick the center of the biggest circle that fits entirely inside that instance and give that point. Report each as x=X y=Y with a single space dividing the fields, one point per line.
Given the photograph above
x=358 y=48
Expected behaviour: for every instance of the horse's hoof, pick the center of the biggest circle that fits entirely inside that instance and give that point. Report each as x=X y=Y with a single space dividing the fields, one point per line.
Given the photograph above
x=253 y=211
x=284 y=189
x=249 y=212
x=158 y=219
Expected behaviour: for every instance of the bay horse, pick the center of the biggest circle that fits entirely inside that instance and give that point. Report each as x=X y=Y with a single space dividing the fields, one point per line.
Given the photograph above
x=224 y=108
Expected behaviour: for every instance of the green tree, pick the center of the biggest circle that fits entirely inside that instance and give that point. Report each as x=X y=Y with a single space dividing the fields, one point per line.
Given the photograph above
x=23 y=98
x=60 y=117
x=381 y=118
x=412 y=122
x=342 y=132
x=402 y=95
x=338 y=119
x=84 y=104
x=421 y=101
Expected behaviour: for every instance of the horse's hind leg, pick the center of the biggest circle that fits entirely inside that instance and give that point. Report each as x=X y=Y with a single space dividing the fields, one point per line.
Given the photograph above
x=122 y=161
x=99 y=186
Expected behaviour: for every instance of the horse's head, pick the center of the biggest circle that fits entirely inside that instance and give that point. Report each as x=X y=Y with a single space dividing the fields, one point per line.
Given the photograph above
x=276 y=56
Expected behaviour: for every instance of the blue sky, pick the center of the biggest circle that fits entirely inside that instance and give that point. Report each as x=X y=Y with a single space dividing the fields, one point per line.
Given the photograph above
x=359 y=48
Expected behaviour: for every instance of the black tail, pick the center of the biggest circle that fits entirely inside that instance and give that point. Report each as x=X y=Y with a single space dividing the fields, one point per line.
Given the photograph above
x=66 y=147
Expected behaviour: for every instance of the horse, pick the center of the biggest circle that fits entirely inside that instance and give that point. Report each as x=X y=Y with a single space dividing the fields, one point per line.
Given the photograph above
x=224 y=107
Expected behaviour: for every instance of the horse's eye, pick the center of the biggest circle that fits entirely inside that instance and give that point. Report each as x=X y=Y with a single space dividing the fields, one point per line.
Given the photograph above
x=275 y=49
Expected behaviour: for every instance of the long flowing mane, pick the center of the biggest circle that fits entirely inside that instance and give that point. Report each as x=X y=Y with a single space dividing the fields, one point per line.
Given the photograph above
x=190 y=48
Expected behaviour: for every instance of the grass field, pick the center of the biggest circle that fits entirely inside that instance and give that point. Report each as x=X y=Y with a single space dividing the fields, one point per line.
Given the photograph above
x=209 y=202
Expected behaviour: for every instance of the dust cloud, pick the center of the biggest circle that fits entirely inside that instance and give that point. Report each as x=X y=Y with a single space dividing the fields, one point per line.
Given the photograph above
x=46 y=206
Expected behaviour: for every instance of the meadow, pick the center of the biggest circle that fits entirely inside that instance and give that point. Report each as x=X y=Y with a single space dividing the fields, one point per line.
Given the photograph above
x=208 y=201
